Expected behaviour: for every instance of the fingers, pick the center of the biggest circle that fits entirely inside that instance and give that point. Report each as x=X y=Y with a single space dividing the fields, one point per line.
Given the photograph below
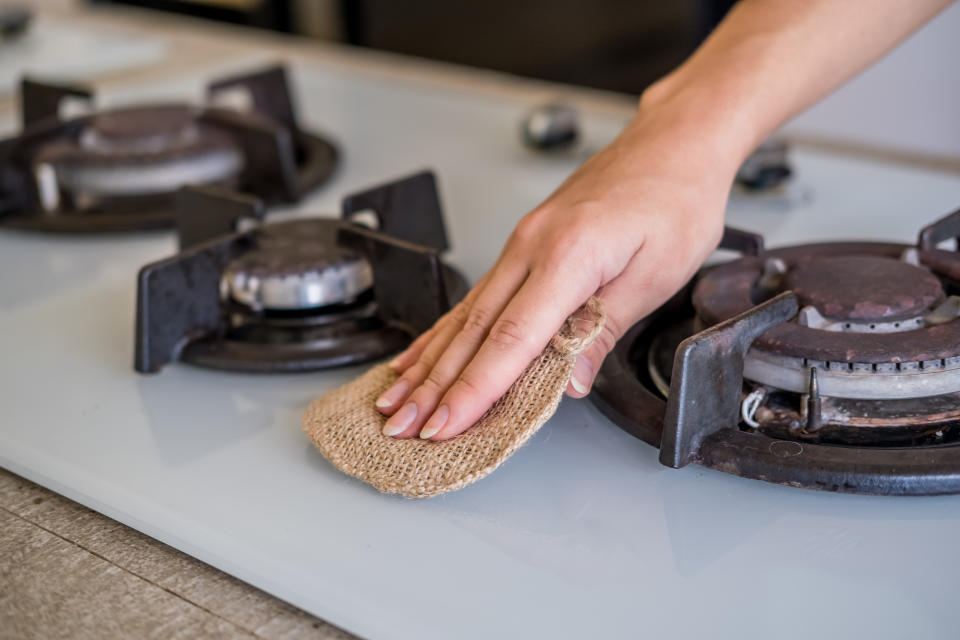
x=413 y=352
x=589 y=362
x=626 y=299
x=412 y=398
x=528 y=322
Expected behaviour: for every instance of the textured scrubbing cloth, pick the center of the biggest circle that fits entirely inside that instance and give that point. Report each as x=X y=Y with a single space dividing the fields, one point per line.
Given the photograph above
x=346 y=426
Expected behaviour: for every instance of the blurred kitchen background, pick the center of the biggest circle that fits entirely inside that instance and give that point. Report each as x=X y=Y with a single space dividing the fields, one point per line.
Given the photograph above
x=908 y=103
x=621 y=45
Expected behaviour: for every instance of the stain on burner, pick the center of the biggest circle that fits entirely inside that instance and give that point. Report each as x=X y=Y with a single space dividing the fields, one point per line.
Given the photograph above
x=872 y=409
x=863 y=288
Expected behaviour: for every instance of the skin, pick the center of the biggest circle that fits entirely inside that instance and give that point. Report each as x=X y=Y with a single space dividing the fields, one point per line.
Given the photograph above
x=635 y=222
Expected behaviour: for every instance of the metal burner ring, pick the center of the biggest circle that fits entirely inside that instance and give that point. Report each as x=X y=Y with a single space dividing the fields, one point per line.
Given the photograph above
x=861 y=381
x=105 y=181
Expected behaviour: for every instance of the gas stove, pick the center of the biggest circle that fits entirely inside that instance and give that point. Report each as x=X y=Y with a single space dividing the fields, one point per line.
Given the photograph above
x=119 y=169
x=831 y=366
x=301 y=295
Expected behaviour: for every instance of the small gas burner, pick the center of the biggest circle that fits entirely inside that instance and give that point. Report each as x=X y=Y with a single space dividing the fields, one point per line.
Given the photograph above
x=301 y=295
x=830 y=366
x=119 y=170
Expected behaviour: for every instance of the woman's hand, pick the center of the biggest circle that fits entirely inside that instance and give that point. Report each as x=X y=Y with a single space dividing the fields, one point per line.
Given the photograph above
x=636 y=220
x=632 y=225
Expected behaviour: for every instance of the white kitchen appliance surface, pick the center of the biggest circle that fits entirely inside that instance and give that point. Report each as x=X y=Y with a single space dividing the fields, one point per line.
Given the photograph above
x=581 y=534
x=56 y=49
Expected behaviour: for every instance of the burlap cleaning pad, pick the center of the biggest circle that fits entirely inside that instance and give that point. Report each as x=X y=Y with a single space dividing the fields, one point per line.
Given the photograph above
x=346 y=426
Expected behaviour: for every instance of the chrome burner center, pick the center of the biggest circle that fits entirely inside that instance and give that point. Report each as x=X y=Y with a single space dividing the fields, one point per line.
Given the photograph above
x=294 y=276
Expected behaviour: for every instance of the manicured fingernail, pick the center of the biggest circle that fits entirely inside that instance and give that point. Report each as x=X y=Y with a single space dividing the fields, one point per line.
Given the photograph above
x=395 y=363
x=402 y=419
x=435 y=423
x=394 y=394
x=582 y=371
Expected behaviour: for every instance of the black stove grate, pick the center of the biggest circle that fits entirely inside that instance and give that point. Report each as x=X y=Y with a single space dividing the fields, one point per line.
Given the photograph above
x=281 y=161
x=182 y=313
x=700 y=420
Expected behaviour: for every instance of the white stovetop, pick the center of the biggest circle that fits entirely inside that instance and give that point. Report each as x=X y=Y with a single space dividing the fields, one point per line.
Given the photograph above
x=56 y=48
x=581 y=534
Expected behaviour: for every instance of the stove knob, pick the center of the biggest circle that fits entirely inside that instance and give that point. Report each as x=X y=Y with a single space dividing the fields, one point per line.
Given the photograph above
x=551 y=127
x=766 y=168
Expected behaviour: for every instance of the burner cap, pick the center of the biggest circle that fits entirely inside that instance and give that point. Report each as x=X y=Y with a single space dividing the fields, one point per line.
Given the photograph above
x=296 y=275
x=138 y=124
x=139 y=151
x=864 y=288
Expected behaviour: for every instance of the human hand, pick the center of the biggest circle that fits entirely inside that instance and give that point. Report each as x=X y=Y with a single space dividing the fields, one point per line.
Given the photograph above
x=631 y=226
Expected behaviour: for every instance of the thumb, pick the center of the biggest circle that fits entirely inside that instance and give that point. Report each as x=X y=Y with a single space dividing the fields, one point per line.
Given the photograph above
x=588 y=362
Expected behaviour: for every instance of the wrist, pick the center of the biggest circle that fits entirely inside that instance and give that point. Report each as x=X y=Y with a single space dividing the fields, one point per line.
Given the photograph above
x=702 y=114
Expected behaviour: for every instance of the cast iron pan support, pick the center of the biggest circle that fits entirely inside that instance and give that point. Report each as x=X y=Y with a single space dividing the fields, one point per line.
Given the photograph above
x=269 y=93
x=943 y=229
x=408 y=279
x=746 y=242
x=40 y=101
x=178 y=300
x=204 y=213
x=708 y=377
x=270 y=147
x=408 y=209
x=269 y=150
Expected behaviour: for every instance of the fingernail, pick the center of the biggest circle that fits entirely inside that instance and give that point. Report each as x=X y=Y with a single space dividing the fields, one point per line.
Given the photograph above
x=435 y=423
x=582 y=371
x=393 y=395
x=395 y=363
x=401 y=419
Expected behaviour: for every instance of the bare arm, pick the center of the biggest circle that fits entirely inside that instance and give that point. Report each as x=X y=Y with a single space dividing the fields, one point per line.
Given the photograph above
x=771 y=59
x=636 y=221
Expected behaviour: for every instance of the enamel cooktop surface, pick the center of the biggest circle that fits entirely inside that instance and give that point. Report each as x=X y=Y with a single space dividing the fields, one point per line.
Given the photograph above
x=581 y=534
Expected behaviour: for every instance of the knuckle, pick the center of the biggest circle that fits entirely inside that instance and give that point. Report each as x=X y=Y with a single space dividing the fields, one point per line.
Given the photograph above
x=458 y=313
x=606 y=340
x=467 y=385
x=418 y=371
x=507 y=334
x=435 y=381
x=477 y=321
x=527 y=229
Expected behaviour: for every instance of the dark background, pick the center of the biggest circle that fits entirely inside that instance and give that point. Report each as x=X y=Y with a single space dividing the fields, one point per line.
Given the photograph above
x=621 y=45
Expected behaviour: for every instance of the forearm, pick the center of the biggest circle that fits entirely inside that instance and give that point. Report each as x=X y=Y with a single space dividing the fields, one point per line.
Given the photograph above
x=770 y=59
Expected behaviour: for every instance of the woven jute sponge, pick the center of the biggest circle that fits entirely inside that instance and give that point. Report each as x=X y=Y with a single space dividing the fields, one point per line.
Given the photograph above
x=345 y=424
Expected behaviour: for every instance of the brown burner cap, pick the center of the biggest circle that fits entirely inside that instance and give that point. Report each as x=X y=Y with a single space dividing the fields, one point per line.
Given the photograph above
x=864 y=288
x=139 y=122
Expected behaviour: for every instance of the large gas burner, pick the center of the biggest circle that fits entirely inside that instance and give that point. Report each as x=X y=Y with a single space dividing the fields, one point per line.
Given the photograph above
x=120 y=169
x=830 y=366
x=301 y=295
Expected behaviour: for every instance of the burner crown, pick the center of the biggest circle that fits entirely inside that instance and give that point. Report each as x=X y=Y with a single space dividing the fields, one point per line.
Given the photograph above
x=863 y=288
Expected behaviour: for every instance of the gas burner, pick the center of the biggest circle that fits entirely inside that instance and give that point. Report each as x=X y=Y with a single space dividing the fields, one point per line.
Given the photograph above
x=831 y=366
x=301 y=295
x=120 y=169
x=138 y=151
